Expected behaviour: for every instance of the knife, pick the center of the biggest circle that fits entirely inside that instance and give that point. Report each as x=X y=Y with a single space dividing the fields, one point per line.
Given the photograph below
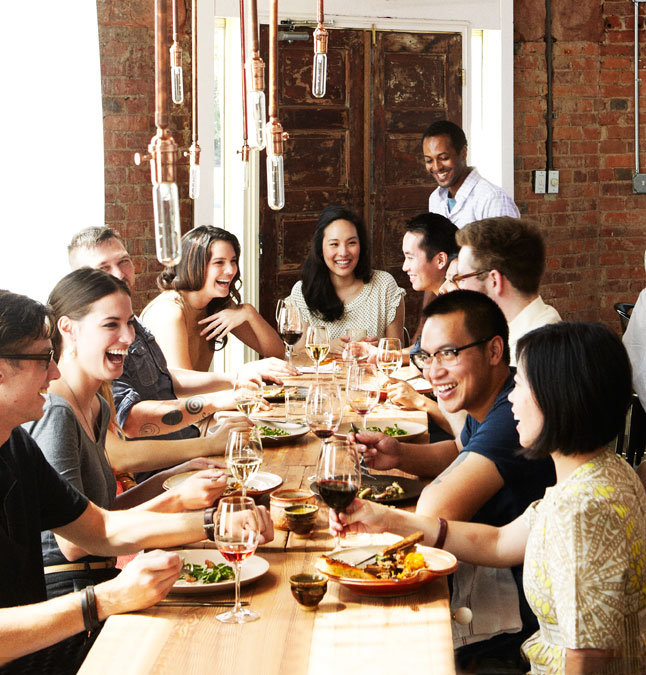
x=195 y=603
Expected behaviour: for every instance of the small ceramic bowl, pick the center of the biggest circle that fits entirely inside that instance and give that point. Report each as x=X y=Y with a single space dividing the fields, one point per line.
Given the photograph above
x=308 y=589
x=281 y=499
x=301 y=518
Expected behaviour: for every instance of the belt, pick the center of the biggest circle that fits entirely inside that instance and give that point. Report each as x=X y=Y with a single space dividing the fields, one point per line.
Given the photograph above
x=107 y=564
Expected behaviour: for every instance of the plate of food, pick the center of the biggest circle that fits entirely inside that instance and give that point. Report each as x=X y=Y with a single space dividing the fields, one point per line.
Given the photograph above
x=399 y=429
x=206 y=571
x=275 y=432
x=260 y=484
x=386 y=488
x=399 y=569
x=274 y=394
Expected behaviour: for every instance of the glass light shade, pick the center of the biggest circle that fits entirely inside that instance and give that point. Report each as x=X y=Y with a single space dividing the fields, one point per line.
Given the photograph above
x=168 y=235
x=275 y=182
x=194 y=181
x=256 y=118
x=245 y=176
x=319 y=75
x=177 y=84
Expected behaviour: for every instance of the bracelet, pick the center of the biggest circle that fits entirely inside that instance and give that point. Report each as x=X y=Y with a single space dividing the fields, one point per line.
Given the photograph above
x=209 y=528
x=89 y=610
x=441 y=535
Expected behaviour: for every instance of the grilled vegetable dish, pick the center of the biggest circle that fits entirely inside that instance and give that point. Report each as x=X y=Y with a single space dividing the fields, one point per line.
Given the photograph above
x=389 y=492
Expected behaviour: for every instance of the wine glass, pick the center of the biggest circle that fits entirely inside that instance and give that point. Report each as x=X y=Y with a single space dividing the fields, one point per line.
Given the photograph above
x=317 y=344
x=243 y=456
x=236 y=530
x=363 y=389
x=389 y=358
x=338 y=475
x=290 y=328
x=247 y=396
x=324 y=409
x=353 y=350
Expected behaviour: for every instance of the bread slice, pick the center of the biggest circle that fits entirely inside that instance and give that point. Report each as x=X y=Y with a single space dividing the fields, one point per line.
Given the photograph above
x=403 y=544
x=338 y=568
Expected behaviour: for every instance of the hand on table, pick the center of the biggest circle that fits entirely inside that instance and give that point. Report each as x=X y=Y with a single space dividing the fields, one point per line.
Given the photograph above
x=380 y=451
x=270 y=369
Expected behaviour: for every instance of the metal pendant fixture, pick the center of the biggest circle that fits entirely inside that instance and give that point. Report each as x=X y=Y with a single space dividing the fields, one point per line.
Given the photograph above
x=194 y=150
x=256 y=96
x=274 y=130
x=319 y=70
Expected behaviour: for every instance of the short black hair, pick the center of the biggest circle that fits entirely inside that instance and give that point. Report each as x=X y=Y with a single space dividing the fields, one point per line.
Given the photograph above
x=447 y=128
x=581 y=378
x=482 y=316
x=91 y=237
x=438 y=234
x=22 y=320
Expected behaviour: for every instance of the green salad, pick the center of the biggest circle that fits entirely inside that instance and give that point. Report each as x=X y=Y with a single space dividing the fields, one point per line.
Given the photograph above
x=209 y=573
x=271 y=431
x=395 y=430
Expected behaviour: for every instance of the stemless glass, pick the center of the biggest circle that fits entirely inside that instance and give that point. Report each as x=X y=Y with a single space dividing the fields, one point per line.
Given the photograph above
x=338 y=474
x=363 y=389
x=290 y=328
x=389 y=358
x=317 y=344
x=243 y=456
x=236 y=532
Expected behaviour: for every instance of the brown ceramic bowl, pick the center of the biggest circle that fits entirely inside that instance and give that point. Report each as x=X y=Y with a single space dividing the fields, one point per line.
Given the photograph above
x=281 y=499
x=308 y=589
x=301 y=518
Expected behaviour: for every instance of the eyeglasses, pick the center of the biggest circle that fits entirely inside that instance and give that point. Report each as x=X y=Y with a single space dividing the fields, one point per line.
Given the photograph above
x=443 y=357
x=46 y=357
x=456 y=278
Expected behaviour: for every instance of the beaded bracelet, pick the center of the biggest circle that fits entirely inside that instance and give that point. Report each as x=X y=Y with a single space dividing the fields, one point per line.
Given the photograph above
x=441 y=535
x=89 y=610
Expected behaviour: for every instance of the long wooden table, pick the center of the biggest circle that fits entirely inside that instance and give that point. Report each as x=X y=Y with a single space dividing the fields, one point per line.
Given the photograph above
x=348 y=633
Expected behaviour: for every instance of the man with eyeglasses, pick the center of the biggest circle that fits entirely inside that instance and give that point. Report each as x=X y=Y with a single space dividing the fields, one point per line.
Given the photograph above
x=34 y=498
x=479 y=476
x=504 y=258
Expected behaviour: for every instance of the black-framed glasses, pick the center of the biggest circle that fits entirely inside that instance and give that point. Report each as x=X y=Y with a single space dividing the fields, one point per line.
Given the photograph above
x=456 y=278
x=444 y=357
x=46 y=357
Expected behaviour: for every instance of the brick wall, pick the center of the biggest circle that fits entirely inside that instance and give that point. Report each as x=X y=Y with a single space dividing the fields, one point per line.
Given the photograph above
x=595 y=227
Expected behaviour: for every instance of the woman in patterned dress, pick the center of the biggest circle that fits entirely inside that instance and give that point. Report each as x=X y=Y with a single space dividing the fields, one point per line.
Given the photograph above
x=340 y=289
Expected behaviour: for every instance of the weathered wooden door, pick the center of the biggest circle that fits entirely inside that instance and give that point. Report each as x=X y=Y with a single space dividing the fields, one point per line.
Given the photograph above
x=360 y=146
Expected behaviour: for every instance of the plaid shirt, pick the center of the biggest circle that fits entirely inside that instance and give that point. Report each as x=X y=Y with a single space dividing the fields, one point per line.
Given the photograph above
x=476 y=199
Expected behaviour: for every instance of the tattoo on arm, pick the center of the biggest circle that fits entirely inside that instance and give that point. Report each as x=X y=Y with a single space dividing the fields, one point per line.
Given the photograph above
x=458 y=460
x=149 y=429
x=172 y=418
x=195 y=405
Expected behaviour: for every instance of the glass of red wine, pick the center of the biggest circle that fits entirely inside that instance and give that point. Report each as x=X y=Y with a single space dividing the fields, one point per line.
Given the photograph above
x=290 y=327
x=236 y=533
x=338 y=475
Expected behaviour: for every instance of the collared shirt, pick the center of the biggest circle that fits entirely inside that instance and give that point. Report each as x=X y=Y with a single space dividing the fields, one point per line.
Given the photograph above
x=534 y=315
x=635 y=343
x=476 y=199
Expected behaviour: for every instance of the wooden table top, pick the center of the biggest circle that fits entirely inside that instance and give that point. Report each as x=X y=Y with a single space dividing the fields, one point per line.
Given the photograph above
x=348 y=633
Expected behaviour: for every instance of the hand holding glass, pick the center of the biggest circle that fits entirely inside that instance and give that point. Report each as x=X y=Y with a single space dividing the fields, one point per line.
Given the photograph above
x=247 y=396
x=290 y=328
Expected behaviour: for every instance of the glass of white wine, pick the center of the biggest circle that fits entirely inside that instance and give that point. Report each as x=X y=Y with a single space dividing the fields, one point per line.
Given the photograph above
x=363 y=389
x=389 y=358
x=247 y=396
x=317 y=344
x=243 y=456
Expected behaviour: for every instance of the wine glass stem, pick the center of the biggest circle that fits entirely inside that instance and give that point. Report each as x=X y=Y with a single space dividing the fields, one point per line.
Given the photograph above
x=290 y=355
x=364 y=421
x=243 y=489
x=236 y=571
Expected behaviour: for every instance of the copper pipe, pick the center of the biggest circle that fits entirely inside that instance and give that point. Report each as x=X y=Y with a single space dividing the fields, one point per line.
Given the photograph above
x=273 y=61
x=195 y=148
x=161 y=64
x=320 y=33
x=256 y=64
x=243 y=59
x=175 y=50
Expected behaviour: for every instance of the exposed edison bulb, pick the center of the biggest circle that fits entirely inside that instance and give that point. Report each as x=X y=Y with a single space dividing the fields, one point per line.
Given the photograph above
x=177 y=84
x=245 y=176
x=275 y=182
x=257 y=116
x=194 y=181
x=319 y=75
x=168 y=235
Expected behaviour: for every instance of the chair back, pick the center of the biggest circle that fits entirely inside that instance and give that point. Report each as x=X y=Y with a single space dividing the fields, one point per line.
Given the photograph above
x=624 y=309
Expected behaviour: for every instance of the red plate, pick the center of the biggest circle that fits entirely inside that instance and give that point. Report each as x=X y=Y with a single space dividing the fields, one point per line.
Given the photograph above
x=439 y=563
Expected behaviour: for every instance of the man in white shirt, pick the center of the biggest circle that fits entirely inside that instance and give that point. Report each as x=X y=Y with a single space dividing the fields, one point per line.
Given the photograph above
x=504 y=258
x=462 y=195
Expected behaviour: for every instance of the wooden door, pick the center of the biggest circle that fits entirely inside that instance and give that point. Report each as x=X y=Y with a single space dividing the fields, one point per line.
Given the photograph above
x=360 y=146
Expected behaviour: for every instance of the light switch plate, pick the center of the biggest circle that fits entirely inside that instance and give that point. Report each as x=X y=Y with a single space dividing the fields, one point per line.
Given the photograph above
x=552 y=182
x=539 y=178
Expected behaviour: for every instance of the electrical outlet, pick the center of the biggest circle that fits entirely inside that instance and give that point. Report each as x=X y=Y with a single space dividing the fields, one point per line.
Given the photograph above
x=539 y=179
x=639 y=183
x=552 y=182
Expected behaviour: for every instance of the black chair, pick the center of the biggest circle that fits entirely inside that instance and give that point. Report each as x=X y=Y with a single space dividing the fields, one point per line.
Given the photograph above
x=624 y=310
x=631 y=442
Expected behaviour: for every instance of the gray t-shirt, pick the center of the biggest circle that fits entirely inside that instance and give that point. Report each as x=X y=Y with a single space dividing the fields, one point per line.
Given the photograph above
x=76 y=457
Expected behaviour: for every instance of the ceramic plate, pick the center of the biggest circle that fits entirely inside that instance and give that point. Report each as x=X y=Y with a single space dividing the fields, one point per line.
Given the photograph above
x=293 y=430
x=439 y=563
x=379 y=481
x=260 y=484
x=274 y=394
x=251 y=569
x=413 y=429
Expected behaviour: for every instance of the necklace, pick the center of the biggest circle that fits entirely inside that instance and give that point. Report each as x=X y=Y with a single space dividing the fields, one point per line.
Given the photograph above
x=90 y=428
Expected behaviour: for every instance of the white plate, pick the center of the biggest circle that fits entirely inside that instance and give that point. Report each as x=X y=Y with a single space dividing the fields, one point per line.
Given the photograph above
x=294 y=430
x=421 y=385
x=251 y=569
x=412 y=429
x=260 y=484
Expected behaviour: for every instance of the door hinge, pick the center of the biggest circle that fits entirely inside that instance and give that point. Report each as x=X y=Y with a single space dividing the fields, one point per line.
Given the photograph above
x=260 y=244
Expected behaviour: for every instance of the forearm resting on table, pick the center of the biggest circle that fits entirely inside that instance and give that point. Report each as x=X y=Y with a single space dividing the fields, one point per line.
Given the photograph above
x=191 y=382
x=149 y=455
x=427 y=460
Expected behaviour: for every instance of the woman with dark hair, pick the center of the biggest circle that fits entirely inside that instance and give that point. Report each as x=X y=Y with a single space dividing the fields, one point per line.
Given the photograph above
x=93 y=330
x=340 y=289
x=200 y=304
x=583 y=544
